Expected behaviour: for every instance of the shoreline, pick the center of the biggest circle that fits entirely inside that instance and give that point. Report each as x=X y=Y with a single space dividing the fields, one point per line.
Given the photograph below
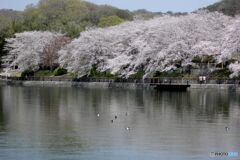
x=121 y=85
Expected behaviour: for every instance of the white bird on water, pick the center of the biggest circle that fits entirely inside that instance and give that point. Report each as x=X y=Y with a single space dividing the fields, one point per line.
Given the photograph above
x=227 y=129
x=98 y=115
x=128 y=128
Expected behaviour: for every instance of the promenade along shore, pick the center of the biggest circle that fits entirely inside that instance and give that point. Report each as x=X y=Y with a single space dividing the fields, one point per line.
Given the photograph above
x=148 y=83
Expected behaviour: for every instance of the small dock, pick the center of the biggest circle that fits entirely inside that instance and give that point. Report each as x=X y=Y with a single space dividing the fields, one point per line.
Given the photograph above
x=168 y=84
x=171 y=87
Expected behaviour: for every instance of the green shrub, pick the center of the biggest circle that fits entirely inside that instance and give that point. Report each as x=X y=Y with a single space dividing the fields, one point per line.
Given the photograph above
x=172 y=73
x=197 y=59
x=220 y=74
x=59 y=71
x=43 y=73
x=69 y=75
x=27 y=73
x=94 y=73
x=109 y=21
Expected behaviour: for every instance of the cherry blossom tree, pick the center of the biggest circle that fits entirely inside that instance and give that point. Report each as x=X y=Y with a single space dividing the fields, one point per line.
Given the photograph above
x=25 y=50
x=160 y=44
x=154 y=45
x=49 y=56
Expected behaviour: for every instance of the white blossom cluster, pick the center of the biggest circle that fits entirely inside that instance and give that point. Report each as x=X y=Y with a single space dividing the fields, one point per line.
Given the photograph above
x=154 y=45
x=159 y=44
x=235 y=69
x=25 y=50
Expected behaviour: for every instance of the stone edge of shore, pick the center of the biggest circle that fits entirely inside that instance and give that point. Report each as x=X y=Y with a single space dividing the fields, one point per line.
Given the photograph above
x=111 y=85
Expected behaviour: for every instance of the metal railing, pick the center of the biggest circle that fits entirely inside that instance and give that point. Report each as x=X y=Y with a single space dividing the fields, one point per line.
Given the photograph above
x=36 y=78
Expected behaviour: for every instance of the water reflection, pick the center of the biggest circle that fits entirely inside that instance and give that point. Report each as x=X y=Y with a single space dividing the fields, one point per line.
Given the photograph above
x=2 y=122
x=53 y=123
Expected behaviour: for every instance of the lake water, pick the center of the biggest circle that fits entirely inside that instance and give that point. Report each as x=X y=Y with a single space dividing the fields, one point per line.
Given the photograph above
x=47 y=123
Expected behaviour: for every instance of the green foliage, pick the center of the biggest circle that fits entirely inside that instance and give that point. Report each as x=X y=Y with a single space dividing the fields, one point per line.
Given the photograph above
x=73 y=29
x=228 y=7
x=172 y=73
x=69 y=16
x=98 y=11
x=56 y=72
x=10 y=22
x=197 y=59
x=109 y=21
x=226 y=63
x=27 y=73
x=43 y=73
x=138 y=75
x=56 y=15
x=97 y=74
x=59 y=71
x=69 y=75
x=220 y=74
